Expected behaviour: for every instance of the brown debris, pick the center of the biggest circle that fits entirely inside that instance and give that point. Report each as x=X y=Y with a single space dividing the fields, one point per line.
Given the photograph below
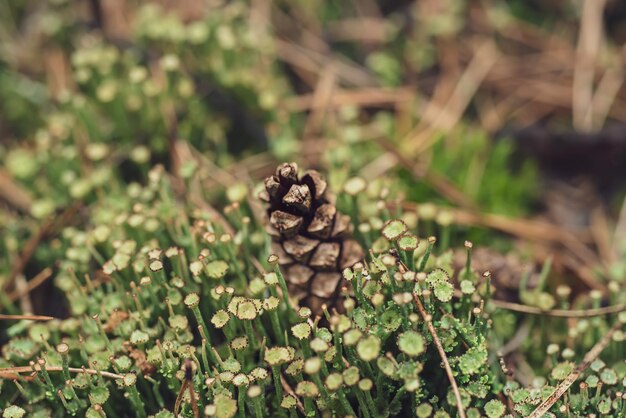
x=116 y=318
x=141 y=361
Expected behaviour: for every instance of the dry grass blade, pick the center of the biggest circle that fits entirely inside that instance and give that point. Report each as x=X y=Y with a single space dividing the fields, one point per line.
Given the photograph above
x=601 y=233
x=290 y=391
x=447 y=117
x=438 y=182
x=25 y=317
x=312 y=61
x=366 y=30
x=362 y=97
x=522 y=228
x=321 y=98
x=591 y=355
x=32 y=284
x=534 y=231
x=605 y=95
x=589 y=41
x=14 y=372
x=560 y=313
x=51 y=225
x=442 y=354
x=15 y=195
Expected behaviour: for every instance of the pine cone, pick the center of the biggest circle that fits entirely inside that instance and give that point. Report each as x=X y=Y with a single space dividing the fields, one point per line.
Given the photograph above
x=311 y=238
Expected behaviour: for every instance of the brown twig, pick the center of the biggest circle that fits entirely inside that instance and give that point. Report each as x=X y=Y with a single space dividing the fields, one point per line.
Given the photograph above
x=442 y=354
x=438 y=182
x=518 y=339
x=14 y=372
x=290 y=391
x=365 y=30
x=363 y=97
x=14 y=194
x=47 y=228
x=559 y=313
x=322 y=95
x=32 y=284
x=312 y=61
x=449 y=115
x=535 y=231
x=601 y=233
x=591 y=355
x=26 y=317
x=187 y=385
x=589 y=42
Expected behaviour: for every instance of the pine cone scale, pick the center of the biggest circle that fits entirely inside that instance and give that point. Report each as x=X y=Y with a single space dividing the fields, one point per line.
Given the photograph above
x=325 y=256
x=285 y=223
x=298 y=197
x=323 y=220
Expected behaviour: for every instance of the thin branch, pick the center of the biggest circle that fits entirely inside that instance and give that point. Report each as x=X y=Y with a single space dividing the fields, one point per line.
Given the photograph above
x=13 y=193
x=589 y=43
x=591 y=355
x=31 y=245
x=13 y=372
x=518 y=339
x=290 y=391
x=524 y=228
x=445 y=118
x=442 y=354
x=364 y=97
x=26 y=317
x=559 y=313
x=32 y=284
x=531 y=230
x=442 y=185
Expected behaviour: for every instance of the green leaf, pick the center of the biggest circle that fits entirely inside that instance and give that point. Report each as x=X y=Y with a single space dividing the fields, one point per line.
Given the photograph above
x=408 y=242
x=368 y=348
x=139 y=337
x=278 y=355
x=216 y=269
x=494 y=408
x=99 y=395
x=394 y=229
x=561 y=370
x=443 y=291
x=411 y=343
x=436 y=276
x=13 y=411
x=307 y=389
x=225 y=407
x=472 y=361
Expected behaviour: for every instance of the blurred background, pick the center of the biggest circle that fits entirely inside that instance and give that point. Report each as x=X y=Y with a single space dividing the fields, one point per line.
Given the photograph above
x=505 y=118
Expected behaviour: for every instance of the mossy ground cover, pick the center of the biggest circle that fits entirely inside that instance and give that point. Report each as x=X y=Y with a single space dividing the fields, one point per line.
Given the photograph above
x=136 y=262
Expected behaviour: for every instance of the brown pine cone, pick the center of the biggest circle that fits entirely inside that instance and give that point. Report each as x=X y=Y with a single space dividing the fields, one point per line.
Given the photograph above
x=311 y=238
